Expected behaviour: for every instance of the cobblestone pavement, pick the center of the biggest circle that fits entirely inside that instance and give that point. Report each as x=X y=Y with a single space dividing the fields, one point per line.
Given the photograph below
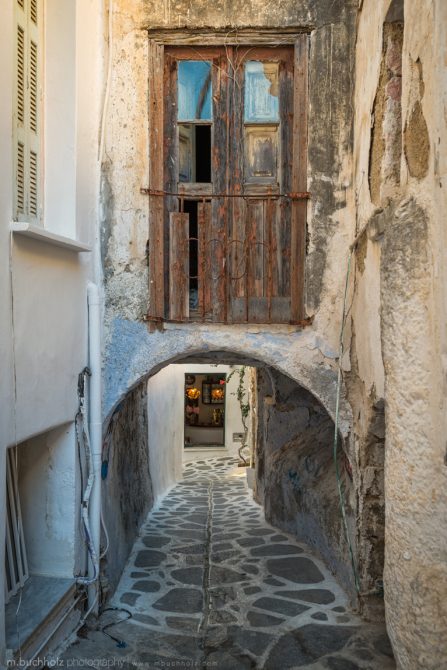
x=210 y=584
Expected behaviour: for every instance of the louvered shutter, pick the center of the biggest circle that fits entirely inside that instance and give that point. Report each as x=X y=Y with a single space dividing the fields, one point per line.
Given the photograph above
x=27 y=111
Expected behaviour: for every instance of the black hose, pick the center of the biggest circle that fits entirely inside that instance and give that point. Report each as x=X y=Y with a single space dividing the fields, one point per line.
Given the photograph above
x=119 y=643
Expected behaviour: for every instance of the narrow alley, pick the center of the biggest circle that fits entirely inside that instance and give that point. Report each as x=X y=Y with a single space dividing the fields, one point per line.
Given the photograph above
x=223 y=342
x=210 y=584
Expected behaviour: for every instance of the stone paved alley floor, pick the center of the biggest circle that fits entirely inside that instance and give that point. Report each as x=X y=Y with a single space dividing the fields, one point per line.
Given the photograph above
x=210 y=584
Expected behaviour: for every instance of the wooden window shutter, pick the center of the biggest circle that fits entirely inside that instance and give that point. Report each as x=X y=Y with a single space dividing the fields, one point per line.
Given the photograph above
x=156 y=207
x=299 y=175
x=26 y=123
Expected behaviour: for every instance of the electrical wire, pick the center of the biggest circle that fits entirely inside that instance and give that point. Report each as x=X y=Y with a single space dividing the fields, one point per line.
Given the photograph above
x=106 y=535
x=83 y=435
x=108 y=80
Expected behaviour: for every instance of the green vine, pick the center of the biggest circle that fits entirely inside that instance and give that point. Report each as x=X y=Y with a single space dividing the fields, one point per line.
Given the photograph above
x=244 y=406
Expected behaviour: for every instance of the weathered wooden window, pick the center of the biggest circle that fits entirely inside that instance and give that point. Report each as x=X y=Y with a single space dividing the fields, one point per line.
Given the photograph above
x=227 y=183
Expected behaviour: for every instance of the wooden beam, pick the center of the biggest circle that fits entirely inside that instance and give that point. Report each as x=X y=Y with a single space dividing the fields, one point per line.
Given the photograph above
x=299 y=177
x=156 y=205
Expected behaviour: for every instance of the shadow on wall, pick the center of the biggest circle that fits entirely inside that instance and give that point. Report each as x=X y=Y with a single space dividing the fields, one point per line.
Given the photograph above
x=127 y=493
x=295 y=479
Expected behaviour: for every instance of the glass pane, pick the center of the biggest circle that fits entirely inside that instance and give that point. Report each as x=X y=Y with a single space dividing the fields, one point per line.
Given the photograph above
x=194 y=143
x=194 y=90
x=261 y=92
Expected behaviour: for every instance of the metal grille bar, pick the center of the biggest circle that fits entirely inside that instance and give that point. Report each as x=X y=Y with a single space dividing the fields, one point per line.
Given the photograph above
x=16 y=563
x=300 y=195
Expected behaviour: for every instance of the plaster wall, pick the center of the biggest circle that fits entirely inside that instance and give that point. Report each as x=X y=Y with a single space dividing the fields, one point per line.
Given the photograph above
x=50 y=334
x=43 y=336
x=166 y=403
x=165 y=393
x=47 y=467
x=6 y=348
x=405 y=246
x=44 y=286
x=125 y=170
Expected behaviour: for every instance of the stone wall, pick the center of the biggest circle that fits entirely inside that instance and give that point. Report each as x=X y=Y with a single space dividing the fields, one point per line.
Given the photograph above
x=132 y=352
x=398 y=319
x=295 y=471
x=127 y=489
x=393 y=188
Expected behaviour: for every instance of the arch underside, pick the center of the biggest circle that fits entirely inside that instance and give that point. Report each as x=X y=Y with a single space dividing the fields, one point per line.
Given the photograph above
x=133 y=354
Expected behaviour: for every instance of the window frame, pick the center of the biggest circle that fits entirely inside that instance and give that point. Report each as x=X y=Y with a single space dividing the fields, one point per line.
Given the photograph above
x=24 y=134
x=185 y=44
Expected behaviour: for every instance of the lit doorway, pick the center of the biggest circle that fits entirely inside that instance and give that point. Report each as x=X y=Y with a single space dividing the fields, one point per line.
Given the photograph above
x=204 y=416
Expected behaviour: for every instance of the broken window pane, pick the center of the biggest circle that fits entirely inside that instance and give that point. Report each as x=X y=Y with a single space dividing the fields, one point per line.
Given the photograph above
x=194 y=90
x=261 y=92
x=194 y=152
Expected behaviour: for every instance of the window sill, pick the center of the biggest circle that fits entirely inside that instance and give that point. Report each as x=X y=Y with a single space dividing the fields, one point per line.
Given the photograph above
x=38 y=233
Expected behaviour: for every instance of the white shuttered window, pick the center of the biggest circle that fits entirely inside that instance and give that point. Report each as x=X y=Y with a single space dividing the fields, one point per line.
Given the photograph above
x=27 y=111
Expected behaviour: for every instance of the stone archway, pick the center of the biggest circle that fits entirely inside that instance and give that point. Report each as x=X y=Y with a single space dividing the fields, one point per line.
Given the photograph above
x=295 y=360
x=134 y=354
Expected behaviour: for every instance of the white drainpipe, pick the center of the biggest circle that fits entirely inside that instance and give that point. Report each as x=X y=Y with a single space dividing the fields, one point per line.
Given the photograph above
x=95 y=429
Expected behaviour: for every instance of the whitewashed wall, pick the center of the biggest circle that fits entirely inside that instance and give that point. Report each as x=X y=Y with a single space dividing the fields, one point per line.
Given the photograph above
x=166 y=421
x=43 y=308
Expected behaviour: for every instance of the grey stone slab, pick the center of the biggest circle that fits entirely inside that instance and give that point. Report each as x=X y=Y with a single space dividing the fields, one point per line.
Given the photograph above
x=254 y=641
x=191 y=549
x=188 y=601
x=307 y=644
x=222 y=537
x=260 y=531
x=250 y=541
x=319 y=596
x=221 y=575
x=147 y=558
x=222 y=595
x=300 y=570
x=188 y=575
x=192 y=526
x=250 y=590
x=271 y=581
x=260 y=620
x=276 y=550
x=222 y=546
x=189 y=534
x=319 y=616
x=183 y=623
x=146 y=586
x=280 y=606
x=221 y=616
x=129 y=598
